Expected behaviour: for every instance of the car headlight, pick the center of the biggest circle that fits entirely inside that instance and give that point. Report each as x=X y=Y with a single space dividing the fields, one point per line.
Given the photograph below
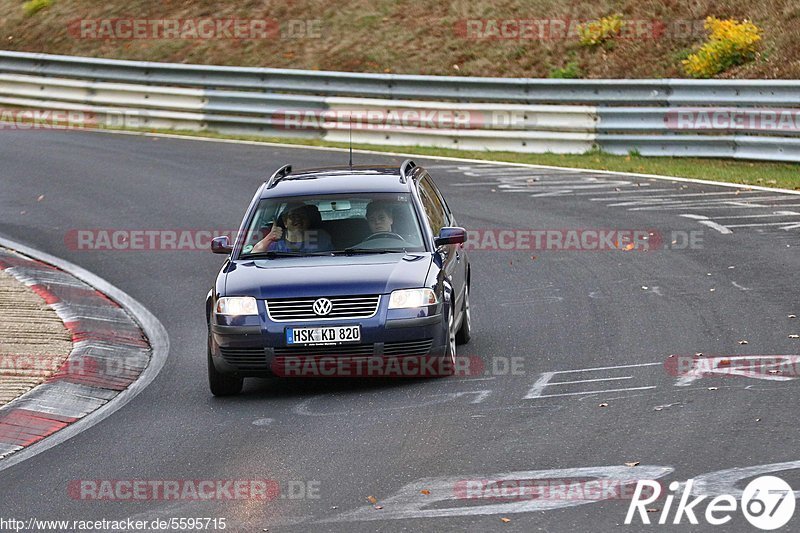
x=405 y=298
x=237 y=305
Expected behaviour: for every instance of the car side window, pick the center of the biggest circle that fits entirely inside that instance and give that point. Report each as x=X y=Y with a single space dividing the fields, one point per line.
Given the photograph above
x=448 y=213
x=435 y=212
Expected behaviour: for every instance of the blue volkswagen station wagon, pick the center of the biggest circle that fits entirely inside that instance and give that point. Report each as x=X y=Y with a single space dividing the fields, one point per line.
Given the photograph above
x=339 y=264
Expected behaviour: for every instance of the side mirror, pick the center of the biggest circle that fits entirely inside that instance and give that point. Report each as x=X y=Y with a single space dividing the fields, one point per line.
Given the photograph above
x=221 y=245
x=451 y=236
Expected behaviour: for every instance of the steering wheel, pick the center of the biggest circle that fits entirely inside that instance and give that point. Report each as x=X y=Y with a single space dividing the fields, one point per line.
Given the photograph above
x=383 y=235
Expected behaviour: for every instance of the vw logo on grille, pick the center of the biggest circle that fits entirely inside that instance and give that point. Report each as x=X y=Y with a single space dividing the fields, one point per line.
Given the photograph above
x=322 y=306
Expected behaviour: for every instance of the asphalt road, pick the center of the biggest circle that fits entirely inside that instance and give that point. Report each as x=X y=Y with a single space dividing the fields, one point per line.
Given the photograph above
x=556 y=314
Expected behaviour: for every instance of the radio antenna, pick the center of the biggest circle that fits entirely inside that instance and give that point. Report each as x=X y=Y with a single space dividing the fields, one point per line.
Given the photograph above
x=351 y=142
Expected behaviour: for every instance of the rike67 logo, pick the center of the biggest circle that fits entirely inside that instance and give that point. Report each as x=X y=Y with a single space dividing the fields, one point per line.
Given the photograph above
x=767 y=503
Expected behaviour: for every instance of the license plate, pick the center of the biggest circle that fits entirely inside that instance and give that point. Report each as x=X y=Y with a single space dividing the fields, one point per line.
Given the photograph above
x=323 y=335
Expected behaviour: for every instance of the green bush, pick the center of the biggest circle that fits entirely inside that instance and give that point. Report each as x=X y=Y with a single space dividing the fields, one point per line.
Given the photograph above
x=34 y=6
x=569 y=71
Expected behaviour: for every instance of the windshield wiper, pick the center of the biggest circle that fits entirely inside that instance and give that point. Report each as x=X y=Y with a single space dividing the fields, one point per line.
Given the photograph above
x=271 y=254
x=356 y=250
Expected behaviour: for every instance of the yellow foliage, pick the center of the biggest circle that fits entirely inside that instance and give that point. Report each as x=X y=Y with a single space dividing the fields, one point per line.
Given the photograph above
x=600 y=31
x=729 y=43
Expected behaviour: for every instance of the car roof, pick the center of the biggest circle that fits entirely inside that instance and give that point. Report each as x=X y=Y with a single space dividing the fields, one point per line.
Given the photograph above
x=338 y=180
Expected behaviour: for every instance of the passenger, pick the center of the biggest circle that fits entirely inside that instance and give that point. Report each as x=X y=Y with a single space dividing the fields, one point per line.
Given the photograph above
x=298 y=236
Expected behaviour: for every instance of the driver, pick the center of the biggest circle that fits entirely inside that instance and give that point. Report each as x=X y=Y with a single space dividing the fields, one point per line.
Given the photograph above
x=379 y=217
x=297 y=235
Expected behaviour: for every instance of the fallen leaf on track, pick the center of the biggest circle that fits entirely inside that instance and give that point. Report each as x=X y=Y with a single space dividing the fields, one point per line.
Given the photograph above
x=713 y=388
x=793 y=336
x=603 y=405
x=505 y=520
x=742 y=342
x=425 y=492
x=632 y=463
x=372 y=499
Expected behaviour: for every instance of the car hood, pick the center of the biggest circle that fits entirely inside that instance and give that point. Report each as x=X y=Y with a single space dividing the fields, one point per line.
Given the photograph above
x=326 y=275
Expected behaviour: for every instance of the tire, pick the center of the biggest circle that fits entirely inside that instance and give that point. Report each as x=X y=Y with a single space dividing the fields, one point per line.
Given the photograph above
x=448 y=360
x=465 y=331
x=222 y=384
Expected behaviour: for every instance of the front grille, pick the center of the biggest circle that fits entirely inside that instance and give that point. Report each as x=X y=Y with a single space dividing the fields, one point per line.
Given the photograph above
x=245 y=358
x=408 y=348
x=343 y=350
x=344 y=307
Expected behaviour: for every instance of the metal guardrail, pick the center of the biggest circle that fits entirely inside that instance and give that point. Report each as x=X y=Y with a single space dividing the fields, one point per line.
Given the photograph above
x=751 y=119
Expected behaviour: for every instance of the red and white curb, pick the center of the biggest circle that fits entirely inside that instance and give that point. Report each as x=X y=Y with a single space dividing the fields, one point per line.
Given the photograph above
x=113 y=357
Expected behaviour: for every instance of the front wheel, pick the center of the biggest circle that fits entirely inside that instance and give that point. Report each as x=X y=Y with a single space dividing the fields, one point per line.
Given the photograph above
x=222 y=384
x=448 y=360
x=465 y=331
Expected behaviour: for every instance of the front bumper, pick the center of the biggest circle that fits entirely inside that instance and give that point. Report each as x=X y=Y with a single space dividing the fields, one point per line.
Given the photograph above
x=256 y=346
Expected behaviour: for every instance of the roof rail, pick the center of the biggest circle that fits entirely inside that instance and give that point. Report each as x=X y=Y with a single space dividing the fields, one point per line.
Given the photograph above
x=405 y=169
x=279 y=174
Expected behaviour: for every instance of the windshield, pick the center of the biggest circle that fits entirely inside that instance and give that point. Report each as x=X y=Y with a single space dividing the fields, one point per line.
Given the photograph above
x=333 y=224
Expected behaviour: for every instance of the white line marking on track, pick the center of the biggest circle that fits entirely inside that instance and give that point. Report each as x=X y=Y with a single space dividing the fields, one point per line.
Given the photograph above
x=773 y=214
x=448 y=496
x=659 y=197
x=698 y=201
x=712 y=367
x=588 y=380
x=704 y=220
x=544 y=381
x=785 y=223
x=713 y=225
x=717 y=204
x=634 y=190
x=592 y=392
x=537 y=388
